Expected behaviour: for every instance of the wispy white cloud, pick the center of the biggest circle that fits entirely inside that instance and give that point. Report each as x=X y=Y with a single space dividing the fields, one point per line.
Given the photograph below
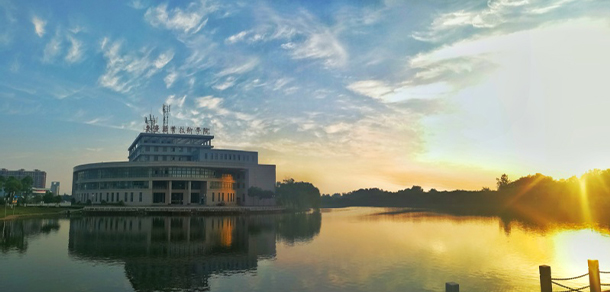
x=187 y=21
x=170 y=78
x=75 y=53
x=163 y=59
x=137 y=4
x=172 y=100
x=239 y=69
x=372 y=88
x=39 y=25
x=52 y=49
x=338 y=127
x=236 y=37
x=228 y=82
x=496 y=13
x=306 y=37
x=126 y=71
x=322 y=45
x=76 y=29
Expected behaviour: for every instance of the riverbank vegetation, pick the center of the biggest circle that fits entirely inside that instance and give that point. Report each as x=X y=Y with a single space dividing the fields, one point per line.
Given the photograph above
x=19 y=211
x=534 y=197
x=297 y=195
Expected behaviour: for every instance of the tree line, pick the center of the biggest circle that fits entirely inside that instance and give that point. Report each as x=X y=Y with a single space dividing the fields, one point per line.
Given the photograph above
x=533 y=197
x=22 y=188
x=291 y=194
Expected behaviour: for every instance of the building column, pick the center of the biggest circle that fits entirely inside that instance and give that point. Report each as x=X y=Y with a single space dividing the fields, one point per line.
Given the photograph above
x=150 y=191
x=168 y=196
x=186 y=200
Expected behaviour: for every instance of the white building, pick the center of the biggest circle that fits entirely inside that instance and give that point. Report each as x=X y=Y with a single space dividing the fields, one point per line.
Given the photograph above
x=175 y=169
x=55 y=188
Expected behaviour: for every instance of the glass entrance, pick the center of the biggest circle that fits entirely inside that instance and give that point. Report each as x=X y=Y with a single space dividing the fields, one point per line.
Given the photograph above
x=177 y=198
x=194 y=198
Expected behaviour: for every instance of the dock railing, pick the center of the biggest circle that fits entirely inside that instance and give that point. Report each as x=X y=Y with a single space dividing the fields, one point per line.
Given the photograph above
x=595 y=285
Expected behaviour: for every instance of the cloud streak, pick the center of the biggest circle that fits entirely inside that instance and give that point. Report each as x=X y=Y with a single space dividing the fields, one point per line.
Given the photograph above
x=39 y=26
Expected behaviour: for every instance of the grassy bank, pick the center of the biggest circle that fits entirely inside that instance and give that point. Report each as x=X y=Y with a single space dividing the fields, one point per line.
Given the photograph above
x=27 y=211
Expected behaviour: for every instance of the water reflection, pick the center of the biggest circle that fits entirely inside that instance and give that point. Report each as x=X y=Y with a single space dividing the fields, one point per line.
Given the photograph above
x=16 y=234
x=169 y=253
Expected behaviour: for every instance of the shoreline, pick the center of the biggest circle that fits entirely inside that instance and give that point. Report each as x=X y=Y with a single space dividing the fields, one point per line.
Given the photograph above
x=155 y=210
x=21 y=216
x=183 y=210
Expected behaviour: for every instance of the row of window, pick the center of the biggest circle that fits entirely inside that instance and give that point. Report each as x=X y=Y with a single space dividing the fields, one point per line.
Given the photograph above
x=227 y=156
x=112 y=185
x=129 y=172
x=189 y=140
x=110 y=197
x=221 y=197
x=222 y=185
x=163 y=158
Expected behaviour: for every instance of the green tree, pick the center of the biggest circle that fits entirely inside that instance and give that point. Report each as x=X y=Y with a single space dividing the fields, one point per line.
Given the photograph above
x=502 y=182
x=26 y=187
x=11 y=187
x=260 y=193
x=297 y=195
x=48 y=197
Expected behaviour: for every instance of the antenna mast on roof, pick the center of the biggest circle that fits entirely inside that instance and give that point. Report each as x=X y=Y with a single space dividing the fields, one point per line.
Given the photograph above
x=166 y=118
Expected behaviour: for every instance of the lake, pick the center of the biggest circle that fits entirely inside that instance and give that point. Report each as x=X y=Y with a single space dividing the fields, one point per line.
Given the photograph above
x=348 y=249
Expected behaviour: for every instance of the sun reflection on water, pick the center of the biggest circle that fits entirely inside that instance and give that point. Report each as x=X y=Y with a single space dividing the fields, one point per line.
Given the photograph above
x=574 y=247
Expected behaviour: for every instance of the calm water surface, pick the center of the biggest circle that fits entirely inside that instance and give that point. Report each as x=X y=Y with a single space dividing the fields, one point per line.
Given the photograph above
x=351 y=249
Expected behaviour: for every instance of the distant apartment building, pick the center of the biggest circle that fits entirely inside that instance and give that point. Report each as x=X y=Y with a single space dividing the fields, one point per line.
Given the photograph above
x=55 y=188
x=38 y=176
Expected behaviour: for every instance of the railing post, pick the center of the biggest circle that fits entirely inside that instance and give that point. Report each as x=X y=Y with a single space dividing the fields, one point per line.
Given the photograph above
x=594 y=282
x=452 y=287
x=545 y=279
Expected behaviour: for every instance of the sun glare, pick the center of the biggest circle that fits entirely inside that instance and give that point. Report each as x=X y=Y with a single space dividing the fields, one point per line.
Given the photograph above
x=574 y=247
x=584 y=201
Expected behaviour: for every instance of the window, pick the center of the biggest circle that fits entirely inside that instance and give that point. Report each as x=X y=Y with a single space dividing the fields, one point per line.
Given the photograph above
x=125 y=198
x=131 y=198
x=140 y=196
x=158 y=197
x=107 y=197
x=212 y=197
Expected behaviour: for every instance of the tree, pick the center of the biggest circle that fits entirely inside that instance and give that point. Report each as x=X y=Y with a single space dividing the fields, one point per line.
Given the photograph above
x=48 y=197
x=297 y=195
x=502 y=182
x=26 y=186
x=260 y=193
x=11 y=187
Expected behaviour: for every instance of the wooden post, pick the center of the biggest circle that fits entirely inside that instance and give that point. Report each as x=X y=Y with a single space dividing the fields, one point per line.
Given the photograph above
x=545 y=279
x=452 y=287
x=594 y=282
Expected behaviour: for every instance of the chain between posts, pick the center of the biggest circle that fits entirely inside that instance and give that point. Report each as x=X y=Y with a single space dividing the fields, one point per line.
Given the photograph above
x=572 y=278
x=569 y=288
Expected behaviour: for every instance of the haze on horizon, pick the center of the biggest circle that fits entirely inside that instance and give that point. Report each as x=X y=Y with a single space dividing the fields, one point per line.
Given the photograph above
x=343 y=94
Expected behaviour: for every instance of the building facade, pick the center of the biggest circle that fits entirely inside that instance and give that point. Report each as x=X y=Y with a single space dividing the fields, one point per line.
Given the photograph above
x=175 y=169
x=38 y=176
x=55 y=188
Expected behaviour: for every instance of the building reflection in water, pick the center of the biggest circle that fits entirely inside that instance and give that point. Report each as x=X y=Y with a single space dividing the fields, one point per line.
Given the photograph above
x=179 y=253
x=16 y=234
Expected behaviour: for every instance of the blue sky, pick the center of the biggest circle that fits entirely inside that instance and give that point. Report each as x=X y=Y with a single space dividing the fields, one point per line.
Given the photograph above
x=345 y=94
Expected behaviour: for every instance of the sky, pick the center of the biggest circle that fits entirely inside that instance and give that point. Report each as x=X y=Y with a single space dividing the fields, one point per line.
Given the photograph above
x=343 y=94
